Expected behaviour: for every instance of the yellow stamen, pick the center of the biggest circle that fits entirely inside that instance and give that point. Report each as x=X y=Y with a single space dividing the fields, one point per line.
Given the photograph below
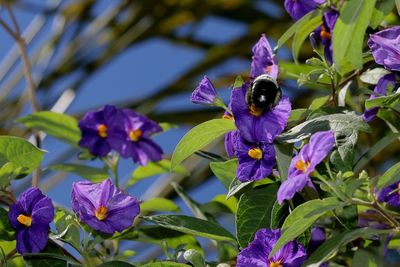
x=227 y=117
x=398 y=188
x=135 y=135
x=276 y=264
x=25 y=220
x=255 y=153
x=255 y=111
x=325 y=34
x=101 y=213
x=302 y=166
x=102 y=129
x=268 y=69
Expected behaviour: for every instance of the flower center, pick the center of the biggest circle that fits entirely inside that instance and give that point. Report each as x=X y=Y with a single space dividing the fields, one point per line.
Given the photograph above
x=102 y=129
x=302 y=166
x=255 y=111
x=268 y=69
x=135 y=135
x=25 y=220
x=325 y=34
x=255 y=153
x=101 y=213
x=275 y=264
x=227 y=117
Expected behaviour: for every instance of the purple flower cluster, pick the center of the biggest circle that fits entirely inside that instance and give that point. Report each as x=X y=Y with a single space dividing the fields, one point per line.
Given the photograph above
x=123 y=130
x=257 y=128
x=102 y=206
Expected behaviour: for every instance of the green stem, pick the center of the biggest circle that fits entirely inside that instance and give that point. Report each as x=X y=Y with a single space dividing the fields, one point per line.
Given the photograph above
x=114 y=169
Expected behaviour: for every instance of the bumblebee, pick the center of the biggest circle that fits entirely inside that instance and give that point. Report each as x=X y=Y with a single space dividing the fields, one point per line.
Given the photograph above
x=263 y=93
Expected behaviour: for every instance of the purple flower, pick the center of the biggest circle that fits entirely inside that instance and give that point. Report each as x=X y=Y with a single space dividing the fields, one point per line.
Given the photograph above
x=380 y=89
x=263 y=60
x=136 y=142
x=256 y=160
x=326 y=33
x=100 y=129
x=256 y=254
x=104 y=207
x=298 y=8
x=390 y=194
x=258 y=125
x=30 y=217
x=304 y=163
x=204 y=93
x=385 y=48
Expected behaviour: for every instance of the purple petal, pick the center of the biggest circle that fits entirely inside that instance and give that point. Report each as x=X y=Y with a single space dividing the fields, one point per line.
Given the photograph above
x=204 y=93
x=32 y=239
x=291 y=186
x=390 y=195
x=263 y=61
x=385 y=48
x=321 y=143
x=298 y=8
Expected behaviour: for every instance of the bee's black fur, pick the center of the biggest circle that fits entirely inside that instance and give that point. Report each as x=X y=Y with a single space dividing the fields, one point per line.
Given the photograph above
x=264 y=92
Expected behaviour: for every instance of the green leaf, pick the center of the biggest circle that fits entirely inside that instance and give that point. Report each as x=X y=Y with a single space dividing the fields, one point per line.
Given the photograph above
x=398 y=6
x=350 y=28
x=220 y=204
x=236 y=186
x=372 y=76
x=238 y=82
x=304 y=30
x=192 y=226
x=9 y=172
x=51 y=256
x=278 y=215
x=390 y=176
x=304 y=23
x=297 y=115
x=194 y=258
x=60 y=126
x=343 y=156
x=302 y=217
x=67 y=228
x=332 y=245
x=367 y=258
x=225 y=171
x=283 y=155
x=383 y=101
x=158 y=204
x=318 y=102
x=89 y=173
x=254 y=212
x=155 y=168
x=160 y=236
x=200 y=136
x=375 y=149
x=336 y=122
x=382 y=9
x=23 y=156
x=164 y=264
x=6 y=231
x=116 y=264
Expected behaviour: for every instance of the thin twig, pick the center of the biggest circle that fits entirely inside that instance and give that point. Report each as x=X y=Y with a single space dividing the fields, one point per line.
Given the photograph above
x=27 y=72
